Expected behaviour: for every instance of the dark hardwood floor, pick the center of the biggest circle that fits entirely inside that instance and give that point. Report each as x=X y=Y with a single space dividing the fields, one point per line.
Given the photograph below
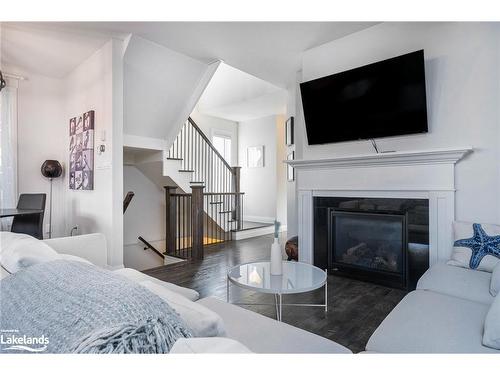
x=355 y=308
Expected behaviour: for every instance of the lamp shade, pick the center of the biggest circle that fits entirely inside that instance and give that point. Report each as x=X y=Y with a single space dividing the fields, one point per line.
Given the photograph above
x=51 y=169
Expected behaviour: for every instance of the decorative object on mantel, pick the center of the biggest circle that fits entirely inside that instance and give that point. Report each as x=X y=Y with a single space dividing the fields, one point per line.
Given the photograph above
x=81 y=152
x=255 y=157
x=289 y=131
x=276 y=258
x=51 y=169
x=292 y=248
x=290 y=172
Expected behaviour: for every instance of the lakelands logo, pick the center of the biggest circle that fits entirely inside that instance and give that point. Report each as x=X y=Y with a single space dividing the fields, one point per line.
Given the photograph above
x=12 y=340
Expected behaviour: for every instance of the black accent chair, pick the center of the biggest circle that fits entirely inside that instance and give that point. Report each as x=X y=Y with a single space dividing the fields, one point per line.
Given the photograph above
x=30 y=224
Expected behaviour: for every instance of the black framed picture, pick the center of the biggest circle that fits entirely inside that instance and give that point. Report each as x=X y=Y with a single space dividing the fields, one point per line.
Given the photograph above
x=289 y=131
x=81 y=152
x=290 y=171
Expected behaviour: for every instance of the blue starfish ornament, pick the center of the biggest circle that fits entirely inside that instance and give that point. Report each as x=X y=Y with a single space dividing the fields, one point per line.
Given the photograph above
x=481 y=244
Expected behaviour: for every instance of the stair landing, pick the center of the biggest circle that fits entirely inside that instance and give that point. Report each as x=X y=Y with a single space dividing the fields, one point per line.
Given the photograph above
x=253 y=229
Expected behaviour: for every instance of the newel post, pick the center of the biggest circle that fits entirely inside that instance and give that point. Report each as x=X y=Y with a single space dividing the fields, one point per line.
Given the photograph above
x=237 y=213
x=170 y=220
x=197 y=213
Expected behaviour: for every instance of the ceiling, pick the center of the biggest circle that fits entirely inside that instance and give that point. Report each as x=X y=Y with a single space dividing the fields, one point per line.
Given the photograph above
x=239 y=96
x=268 y=50
x=49 y=49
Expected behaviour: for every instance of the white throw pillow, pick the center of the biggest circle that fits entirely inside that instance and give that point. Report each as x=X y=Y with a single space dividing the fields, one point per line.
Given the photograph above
x=18 y=251
x=495 y=281
x=461 y=256
x=491 y=335
x=208 y=345
x=202 y=321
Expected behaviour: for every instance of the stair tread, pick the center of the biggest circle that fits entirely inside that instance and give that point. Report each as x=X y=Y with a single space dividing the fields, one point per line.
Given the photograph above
x=225 y=212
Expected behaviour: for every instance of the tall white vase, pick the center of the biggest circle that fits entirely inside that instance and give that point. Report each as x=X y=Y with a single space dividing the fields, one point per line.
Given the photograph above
x=276 y=259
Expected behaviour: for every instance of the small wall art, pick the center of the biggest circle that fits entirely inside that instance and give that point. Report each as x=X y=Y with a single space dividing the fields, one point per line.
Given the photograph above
x=255 y=157
x=290 y=171
x=289 y=131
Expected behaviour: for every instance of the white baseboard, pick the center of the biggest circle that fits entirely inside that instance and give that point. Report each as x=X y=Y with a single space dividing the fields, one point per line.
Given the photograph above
x=259 y=219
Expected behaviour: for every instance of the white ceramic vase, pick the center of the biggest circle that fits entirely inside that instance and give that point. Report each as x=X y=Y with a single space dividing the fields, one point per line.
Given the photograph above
x=276 y=259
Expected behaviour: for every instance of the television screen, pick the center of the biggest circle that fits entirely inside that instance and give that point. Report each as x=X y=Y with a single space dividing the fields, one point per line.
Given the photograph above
x=383 y=99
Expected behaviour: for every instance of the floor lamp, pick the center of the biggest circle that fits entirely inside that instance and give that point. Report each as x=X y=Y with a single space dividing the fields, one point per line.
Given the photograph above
x=51 y=169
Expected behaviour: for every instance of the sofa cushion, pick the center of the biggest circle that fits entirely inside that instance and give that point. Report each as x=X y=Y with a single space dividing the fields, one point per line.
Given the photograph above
x=265 y=335
x=428 y=322
x=495 y=281
x=197 y=345
x=74 y=258
x=458 y=282
x=18 y=251
x=483 y=238
x=202 y=321
x=137 y=276
x=491 y=336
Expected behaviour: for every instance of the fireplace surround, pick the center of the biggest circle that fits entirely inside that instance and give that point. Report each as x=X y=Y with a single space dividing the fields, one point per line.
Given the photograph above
x=419 y=174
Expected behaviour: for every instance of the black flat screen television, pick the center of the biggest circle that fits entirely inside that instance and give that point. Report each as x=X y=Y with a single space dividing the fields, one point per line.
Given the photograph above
x=382 y=99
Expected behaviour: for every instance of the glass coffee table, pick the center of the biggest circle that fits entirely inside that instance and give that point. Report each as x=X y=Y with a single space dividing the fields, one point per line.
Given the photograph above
x=297 y=277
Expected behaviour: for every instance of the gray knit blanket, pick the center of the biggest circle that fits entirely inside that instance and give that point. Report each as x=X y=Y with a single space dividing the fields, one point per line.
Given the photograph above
x=73 y=307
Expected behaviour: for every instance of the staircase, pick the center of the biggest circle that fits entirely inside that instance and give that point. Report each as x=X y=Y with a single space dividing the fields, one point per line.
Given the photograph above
x=196 y=165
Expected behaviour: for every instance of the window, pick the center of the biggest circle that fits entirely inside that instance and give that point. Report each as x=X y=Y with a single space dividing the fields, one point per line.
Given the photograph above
x=222 y=143
x=8 y=148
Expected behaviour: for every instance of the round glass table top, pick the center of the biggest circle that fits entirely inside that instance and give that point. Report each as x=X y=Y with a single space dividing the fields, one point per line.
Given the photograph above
x=296 y=278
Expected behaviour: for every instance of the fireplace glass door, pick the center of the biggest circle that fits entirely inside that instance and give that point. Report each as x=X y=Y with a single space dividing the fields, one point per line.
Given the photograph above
x=368 y=241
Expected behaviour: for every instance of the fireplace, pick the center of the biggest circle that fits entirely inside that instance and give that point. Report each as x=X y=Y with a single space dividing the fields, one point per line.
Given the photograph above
x=369 y=244
x=382 y=240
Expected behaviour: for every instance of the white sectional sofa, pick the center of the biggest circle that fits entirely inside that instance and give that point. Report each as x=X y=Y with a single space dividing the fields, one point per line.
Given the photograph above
x=256 y=332
x=445 y=314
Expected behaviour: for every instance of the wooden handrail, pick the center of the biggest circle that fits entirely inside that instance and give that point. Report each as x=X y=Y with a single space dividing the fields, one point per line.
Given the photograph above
x=212 y=147
x=149 y=246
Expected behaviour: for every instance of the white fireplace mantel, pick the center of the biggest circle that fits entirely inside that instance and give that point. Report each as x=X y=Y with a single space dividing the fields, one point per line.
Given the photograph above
x=437 y=156
x=427 y=174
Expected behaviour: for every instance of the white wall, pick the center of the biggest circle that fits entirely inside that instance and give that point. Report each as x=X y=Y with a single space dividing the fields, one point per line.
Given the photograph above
x=159 y=86
x=145 y=216
x=45 y=107
x=462 y=78
x=210 y=124
x=96 y=85
x=238 y=96
x=258 y=184
x=296 y=111
x=281 y=177
x=41 y=122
